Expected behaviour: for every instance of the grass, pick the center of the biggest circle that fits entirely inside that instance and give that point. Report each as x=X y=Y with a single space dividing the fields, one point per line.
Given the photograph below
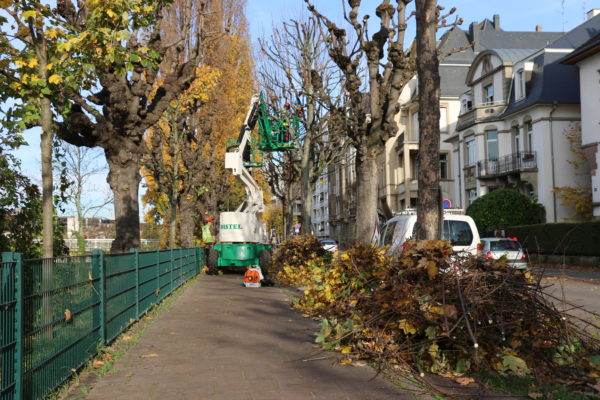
x=106 y=356
x=525 y=386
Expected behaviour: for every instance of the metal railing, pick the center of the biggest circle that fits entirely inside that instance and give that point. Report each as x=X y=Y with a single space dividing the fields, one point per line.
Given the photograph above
x=55 y=313
x=105 y=244
x=510 y=163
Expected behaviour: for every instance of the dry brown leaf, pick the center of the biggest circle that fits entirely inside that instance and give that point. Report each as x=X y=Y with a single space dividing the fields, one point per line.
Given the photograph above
x=129 y=375
x=151 y=355
x=107 y=356
x=536 y=395
x=464 y=381
x=97 y=363
x=157 y=291
x=127 y=338
x=68 y=315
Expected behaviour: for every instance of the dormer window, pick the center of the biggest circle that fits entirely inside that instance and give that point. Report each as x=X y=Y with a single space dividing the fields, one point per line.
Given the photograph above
x=520 y=84
x=488 y=94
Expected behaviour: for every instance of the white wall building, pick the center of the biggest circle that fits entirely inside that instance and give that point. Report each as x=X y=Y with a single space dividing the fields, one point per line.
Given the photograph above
x=320 y=211
x=587 y=58
x=513 y=121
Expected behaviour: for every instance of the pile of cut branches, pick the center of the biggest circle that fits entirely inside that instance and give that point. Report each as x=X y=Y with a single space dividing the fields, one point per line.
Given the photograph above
x=293 y=259
x=438 y=314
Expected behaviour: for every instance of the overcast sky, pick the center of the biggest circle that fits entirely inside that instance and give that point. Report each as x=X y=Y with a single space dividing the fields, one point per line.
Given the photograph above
x=515 y=15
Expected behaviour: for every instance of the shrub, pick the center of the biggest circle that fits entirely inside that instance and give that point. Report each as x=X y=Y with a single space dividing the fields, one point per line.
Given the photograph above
x=502 y=208
x=569 y=238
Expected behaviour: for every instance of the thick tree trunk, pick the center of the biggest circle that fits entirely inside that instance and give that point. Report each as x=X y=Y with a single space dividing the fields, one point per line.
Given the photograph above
x=289 y=210
x=173 y=226
x=308 y=190
x=186 y=223
x=429 y=195
x=47 y=183
x=366 y=195
x=124 y=180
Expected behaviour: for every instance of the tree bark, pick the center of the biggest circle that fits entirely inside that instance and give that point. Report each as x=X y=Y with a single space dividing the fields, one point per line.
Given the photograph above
x=124 y=180
x=47 y=181
x=186 y=223
x=429 y=192
x=366 y=194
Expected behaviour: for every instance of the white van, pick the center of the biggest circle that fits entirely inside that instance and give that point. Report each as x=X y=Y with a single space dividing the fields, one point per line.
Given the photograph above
x=458 y=228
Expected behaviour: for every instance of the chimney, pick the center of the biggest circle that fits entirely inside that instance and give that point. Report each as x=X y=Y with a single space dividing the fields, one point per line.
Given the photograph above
x=593 y=12
x=538 y=28
x=497 y=22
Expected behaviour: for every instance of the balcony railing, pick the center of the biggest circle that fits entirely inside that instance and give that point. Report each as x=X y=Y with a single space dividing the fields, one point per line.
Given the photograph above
x=510 y=163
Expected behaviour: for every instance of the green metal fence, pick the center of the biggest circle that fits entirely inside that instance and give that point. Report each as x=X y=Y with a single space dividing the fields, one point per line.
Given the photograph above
x=55 y=313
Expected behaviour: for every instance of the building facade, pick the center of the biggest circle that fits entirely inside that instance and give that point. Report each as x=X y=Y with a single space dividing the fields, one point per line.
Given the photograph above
x=320 y=211
x=515 y=119
x=587 y=59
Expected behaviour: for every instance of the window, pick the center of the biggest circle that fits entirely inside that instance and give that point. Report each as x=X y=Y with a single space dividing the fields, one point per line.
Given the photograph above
x=488 y=94
x=389 y=234
x=520 y=89
x=467 y=104
x=457 y=232
x=443 y=119
x=516 y=138
x=471 y=196
x=470 y=151
x=492 y=144
x=444 y=166
x=414 y=167
x=529 y=130
x=415 y=127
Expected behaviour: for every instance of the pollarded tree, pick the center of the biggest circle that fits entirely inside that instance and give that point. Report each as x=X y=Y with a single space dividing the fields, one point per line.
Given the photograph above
x=138 y=66
x=368 y=118
x=297 y=70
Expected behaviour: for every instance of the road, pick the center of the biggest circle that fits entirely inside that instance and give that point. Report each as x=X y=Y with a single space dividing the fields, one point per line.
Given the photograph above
x=579 y=288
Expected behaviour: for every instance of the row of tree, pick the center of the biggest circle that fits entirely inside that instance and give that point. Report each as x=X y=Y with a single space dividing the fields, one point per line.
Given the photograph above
x=161 y=85
x=350 y=84
x=157 y=85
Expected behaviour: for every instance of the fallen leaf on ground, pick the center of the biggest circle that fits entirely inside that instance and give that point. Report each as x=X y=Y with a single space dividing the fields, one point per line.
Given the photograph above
x=97 y=363
x=107 y=356
x=346 y=361
x=127 y=338
x=151 y=355
x=464 y=381
x=595 y=387
x=129 y=375
x=536 y=395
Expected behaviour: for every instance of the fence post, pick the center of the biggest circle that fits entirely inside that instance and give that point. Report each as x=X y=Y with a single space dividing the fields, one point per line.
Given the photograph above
x=197 y=263
x=99 y=282
x=171 y=270
x=17 y=258
x=137 y=283
x=157 y=274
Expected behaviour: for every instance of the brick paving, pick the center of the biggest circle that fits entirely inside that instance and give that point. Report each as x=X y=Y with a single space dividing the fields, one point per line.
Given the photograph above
x=221 y=341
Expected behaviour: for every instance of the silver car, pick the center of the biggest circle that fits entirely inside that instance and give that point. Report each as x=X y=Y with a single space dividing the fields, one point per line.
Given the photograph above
x=329 y=245
x=496 y=248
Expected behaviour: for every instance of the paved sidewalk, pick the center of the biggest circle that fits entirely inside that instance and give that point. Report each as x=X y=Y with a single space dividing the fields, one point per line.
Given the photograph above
x=223 y=341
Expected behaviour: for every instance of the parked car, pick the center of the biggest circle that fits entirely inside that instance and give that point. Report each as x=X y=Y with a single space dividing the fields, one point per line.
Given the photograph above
x=458 y=228
x=329 y=245
x=496 y=248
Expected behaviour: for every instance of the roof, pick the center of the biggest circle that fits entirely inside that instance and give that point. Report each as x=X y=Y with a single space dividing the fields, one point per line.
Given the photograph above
x=512 y=55
x=516 y=40
x=587 y=49
x=553 y=82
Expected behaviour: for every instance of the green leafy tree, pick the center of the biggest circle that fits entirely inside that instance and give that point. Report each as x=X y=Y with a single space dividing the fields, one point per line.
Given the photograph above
x=503 y=208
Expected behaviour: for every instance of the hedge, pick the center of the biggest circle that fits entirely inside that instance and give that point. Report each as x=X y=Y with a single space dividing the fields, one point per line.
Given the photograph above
x=568 y=238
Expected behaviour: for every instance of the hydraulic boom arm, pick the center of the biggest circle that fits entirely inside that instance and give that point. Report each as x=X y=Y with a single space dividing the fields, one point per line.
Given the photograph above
x=235 y=159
